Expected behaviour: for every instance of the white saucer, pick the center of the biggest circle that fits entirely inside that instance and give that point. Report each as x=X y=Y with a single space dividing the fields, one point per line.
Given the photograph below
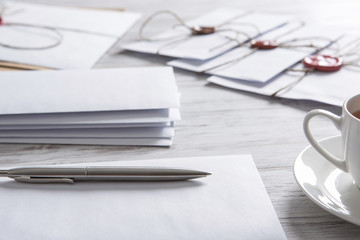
x=329 y=187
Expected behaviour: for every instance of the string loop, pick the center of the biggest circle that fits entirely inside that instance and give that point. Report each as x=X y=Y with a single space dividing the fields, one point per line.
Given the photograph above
x=152 y=16
x=196 y=30
x=53 y=31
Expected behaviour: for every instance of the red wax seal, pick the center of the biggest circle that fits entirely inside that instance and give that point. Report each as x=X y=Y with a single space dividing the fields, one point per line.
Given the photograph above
x=324 y=63
x=198 y=30
x=266 y=44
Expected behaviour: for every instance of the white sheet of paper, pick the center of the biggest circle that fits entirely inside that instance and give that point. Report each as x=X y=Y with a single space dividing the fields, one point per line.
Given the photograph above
x=232 y=203
x=208 y=46
x=248 y=64
x=71 y=126
x=332 y=88
x=85 y=118
x=24 y=92
x=138 y=132
x=87 y=34
x=160 y=142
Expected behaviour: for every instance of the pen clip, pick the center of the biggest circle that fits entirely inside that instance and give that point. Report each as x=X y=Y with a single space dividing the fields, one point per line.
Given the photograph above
x=29 y=179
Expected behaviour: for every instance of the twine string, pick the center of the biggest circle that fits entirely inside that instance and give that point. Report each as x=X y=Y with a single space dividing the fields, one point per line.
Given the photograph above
x=287 y=44
x=283 y=44
x=287 y=87
x=51 y=30
x=172 y=43
x=230 y=61
x=54 y=31
x=354 y=48
x=152 y=16
x=236 y=38
x=193 y=30
x=353 y=45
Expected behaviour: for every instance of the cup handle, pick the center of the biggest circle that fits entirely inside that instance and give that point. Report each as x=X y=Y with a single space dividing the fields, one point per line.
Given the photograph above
x=339 y=163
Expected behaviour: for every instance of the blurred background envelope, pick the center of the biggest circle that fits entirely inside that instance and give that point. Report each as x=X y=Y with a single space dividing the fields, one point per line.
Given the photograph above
x=230 y=22
x=85 y=35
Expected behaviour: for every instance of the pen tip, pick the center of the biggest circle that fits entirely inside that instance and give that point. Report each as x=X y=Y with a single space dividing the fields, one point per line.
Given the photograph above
x=4 y=172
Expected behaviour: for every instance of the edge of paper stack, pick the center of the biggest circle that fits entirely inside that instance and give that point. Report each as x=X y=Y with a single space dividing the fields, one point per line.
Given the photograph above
x=123 y=106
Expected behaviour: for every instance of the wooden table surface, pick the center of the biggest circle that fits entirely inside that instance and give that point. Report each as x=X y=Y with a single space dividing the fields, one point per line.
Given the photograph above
x=219 y=121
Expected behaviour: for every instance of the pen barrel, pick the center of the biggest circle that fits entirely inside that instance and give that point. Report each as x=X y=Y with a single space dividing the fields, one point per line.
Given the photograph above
x=46 y=175
x=4 y=173
x=130 y=171
x=140 y=174
x=48 y=172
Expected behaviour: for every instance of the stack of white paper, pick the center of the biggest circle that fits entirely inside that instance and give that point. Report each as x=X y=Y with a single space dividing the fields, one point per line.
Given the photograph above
x=86 y=34
x=230 y=204
x=129 y=106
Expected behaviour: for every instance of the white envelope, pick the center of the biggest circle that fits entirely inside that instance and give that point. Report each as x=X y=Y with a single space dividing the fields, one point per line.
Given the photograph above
x=138 y=132
x=160 y=142
x=24 y=92
x=71 y=126
x=102 y=22
x=248 y=64
x=230 y=204
x=332 y=88
x=208 y=46
x=86 y=34
x=88 y=118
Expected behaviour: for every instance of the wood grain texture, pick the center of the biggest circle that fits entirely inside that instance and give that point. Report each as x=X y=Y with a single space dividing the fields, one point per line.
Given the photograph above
x=219 y=121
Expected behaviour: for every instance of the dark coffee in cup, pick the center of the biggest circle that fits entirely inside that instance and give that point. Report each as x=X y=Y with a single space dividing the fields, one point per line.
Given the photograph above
x=356 y=114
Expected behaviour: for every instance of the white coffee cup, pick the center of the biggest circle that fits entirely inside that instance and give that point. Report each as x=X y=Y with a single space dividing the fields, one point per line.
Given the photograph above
x=349 y=126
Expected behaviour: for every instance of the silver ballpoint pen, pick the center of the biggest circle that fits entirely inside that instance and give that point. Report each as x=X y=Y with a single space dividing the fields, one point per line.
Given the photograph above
x=72 y=174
